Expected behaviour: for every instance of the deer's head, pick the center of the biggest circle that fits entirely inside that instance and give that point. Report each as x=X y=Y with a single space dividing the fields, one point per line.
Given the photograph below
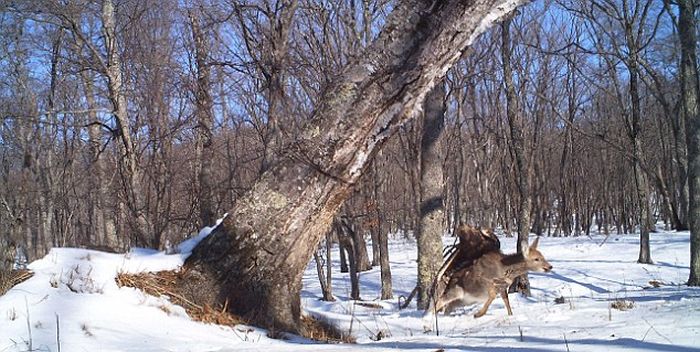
x=535 y=259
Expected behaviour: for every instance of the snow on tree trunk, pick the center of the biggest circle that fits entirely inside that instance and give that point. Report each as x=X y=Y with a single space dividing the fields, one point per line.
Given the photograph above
x=254 y=260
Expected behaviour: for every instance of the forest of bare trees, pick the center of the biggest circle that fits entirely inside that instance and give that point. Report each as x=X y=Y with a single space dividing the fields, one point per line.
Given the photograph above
x=135 y=123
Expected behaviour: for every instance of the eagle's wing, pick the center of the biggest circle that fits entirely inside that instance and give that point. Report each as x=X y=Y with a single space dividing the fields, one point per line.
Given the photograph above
x=473 y=244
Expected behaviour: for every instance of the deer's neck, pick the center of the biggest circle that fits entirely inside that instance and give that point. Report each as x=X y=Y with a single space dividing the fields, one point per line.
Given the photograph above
x=514 y=265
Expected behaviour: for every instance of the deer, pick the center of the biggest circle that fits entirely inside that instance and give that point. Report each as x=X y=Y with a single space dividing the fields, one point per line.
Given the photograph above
x=490 y=275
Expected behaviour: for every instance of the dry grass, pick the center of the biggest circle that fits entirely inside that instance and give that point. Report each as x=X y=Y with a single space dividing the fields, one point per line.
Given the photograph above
x=656 y=283
x=621 y=304
x=164 y=283
x=319 y=330
x=370 y=305
x=86 y=330
x=13 y=278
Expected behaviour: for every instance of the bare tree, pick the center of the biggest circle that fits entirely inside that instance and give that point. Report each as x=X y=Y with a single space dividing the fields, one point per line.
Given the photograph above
x=205 y=118
x=635 y=22
x=690 y=97
x=519 y=149
x=265 y=30
x=268 y=238
x=130 y=170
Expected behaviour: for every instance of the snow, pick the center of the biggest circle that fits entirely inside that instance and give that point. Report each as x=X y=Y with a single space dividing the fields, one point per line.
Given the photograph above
x=502 y=10
x=188 y=245
x=77 y=287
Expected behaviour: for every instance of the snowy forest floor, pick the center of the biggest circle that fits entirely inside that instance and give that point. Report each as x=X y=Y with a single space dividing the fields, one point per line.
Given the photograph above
x=74 y=290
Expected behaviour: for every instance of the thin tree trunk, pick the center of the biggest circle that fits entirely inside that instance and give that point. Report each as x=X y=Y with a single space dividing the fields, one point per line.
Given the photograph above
x=360 y=249
x=343 y=257
x=374 y=231
x=690 y=98
x=128 y=163
x=382 y=236
x=275 y=73
x=322 y=279
x=328 y=292
x=517 y=143
x=254 y=260
x=102 y=223
x=96 y=180
x=345 y=235
x=371 y=209
x=205 y=122
x=321 y=274
x=387 y=292
x=641 y=184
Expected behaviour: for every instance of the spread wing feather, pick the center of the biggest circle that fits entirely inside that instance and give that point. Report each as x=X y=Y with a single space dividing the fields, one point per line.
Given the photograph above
x=473 y=243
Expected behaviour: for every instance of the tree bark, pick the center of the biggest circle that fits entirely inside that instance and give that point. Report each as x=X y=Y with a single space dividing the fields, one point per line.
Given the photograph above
x=360 y=248
x=274 y=69
x=328 y=292
x=431 y=212
x=254 y=260
x=205 y=121
x=343 y=257
x=634 y=128
x=387 y=291
x=324 y=280
x=346 y=237
x=523 y=165
x=382 y=237
x=374 y=232
x=690 y=97
x=101 y=226
x=128 y=163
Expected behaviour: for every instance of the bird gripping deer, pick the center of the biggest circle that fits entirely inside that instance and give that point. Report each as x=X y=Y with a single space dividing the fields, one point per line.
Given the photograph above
x=491 y=274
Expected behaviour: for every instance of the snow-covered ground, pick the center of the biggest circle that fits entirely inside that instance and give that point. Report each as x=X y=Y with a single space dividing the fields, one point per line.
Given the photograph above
x=73 y=298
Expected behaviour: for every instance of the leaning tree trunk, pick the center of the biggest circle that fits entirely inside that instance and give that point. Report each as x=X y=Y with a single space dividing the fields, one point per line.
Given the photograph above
x=254 y=260
x=431 y=213
x=690 y=91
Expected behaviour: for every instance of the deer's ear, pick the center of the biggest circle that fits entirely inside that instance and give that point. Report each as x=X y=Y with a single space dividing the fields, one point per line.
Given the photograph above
x=535 y=243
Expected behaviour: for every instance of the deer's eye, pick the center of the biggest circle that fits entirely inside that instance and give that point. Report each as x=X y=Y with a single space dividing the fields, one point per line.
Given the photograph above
x=537 y=259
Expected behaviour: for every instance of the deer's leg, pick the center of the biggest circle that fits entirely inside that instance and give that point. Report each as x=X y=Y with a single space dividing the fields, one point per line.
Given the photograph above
x=435 y=306
x=452 y=306
x=492 y=296
x=451 y=295
x=504 y=295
